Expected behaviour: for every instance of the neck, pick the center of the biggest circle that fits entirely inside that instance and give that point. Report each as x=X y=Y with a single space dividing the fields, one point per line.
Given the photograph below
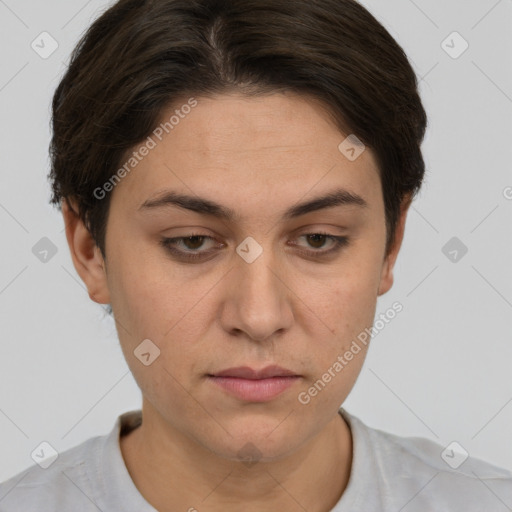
x=168 y=467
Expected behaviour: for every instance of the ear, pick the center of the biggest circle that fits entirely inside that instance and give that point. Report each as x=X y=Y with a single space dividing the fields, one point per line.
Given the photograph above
x=86 y=255
x=386 y=279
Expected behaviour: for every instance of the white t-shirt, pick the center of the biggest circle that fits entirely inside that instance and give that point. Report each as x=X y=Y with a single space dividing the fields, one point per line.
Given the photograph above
x=389 y=474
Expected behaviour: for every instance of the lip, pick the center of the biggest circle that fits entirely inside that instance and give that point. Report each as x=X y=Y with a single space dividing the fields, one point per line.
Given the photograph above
x=254 y=390
x=246 y=372
x=255 y=385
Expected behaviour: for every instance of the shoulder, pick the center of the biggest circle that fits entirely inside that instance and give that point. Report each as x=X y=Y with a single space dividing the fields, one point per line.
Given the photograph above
x=65 y=484
x=429 y=474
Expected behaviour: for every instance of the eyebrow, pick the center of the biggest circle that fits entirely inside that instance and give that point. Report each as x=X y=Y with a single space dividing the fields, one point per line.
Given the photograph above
x=169 y=198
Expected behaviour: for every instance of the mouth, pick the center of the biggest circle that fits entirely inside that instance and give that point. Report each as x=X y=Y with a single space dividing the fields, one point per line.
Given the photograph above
x=253 y=385
x=246 y=372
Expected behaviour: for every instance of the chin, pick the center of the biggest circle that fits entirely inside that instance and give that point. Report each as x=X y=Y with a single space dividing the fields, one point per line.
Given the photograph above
x=253 y=440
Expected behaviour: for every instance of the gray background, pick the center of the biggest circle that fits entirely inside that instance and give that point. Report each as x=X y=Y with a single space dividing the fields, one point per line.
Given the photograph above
x=440 y=369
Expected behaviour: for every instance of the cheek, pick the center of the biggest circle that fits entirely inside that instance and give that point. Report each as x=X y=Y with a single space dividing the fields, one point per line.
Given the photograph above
x=133 y=293
x=149 y=305
x=148 y=292
x=156 y=300
x=352 y=296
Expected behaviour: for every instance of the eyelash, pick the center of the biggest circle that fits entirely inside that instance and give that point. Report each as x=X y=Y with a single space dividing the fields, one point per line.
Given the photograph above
x=340 y=242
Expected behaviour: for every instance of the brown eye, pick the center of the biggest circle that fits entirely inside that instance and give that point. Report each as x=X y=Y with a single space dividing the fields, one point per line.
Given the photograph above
x=187 y=247
x=191 y=242
x=317 y=241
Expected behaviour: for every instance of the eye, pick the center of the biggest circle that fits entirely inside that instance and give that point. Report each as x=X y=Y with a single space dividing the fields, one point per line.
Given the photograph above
x=192 y=242
x=187 y=248
x=318 y=240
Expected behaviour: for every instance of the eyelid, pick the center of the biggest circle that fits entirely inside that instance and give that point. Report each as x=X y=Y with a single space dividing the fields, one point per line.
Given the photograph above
x=167 y=243
x=339 y=243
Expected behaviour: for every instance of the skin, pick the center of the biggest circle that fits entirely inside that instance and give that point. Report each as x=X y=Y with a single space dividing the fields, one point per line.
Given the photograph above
x=257 y=156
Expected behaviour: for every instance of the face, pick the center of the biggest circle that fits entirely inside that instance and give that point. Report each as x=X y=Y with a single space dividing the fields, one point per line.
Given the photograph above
x=271 y=283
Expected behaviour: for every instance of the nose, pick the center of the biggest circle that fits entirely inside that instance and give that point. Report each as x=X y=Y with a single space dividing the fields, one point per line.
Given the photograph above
x=258 y=300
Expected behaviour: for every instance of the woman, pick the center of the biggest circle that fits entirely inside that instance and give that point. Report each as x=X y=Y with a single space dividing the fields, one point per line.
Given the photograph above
x=235 y=178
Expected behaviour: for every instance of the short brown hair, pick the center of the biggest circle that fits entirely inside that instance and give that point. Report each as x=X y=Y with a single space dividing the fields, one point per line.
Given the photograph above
x=140 y=56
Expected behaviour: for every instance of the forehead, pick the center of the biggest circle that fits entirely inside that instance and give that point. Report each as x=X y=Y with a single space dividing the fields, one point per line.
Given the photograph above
x=265 y=124
x=244 y=148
